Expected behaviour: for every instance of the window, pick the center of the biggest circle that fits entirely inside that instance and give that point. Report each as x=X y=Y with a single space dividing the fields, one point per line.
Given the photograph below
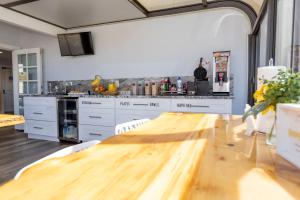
x=263 y=35
x=284 y=32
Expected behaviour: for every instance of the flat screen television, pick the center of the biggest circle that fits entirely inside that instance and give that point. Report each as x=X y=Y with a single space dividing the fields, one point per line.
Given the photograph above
x=76 y=44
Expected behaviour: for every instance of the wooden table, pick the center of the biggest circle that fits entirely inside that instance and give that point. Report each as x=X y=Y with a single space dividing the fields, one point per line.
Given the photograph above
x=10 y=120
x=176 y=156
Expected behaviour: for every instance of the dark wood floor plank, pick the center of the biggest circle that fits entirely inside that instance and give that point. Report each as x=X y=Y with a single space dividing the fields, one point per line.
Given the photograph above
x=17 y=151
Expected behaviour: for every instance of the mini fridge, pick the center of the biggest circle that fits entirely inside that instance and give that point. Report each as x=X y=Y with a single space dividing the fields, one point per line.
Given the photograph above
x=68 y=119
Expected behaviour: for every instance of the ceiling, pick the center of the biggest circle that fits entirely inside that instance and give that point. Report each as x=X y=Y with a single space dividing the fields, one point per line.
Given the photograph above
x=74 y=13
x=77 y=13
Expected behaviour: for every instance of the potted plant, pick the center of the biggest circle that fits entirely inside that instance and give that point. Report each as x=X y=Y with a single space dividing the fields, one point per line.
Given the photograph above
x=284 y=88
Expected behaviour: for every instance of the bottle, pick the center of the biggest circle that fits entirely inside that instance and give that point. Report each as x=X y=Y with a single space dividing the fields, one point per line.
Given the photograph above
x=179 y=85
x=148 y=88
x=155 y=88
x=141 y=88
x=134 y=89
x=166 y=84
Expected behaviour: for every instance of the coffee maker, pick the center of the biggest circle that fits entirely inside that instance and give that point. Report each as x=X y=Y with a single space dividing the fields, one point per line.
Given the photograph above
x=221 y=73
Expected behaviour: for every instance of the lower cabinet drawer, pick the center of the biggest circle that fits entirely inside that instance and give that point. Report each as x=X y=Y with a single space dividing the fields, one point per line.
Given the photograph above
x=123 y=116
x=97 y=117
x=88 y=132
x=42 y=113
x=49 y=129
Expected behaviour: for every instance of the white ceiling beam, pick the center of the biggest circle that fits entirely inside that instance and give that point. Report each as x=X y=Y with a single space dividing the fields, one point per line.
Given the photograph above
x=21 y=20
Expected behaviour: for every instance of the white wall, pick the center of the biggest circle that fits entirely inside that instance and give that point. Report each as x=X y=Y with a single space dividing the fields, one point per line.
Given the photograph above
x=164 y=46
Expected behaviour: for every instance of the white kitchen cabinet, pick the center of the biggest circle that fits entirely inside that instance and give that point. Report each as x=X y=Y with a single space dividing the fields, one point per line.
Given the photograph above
x=96 y=118
x=43 y=130
x=97 y=103
x=41 y=118
x=99 y=117
x=154 y=104
x=216 y=106
x=40 y=113
x=129 y=109
x=123 y=116
x=90 y=132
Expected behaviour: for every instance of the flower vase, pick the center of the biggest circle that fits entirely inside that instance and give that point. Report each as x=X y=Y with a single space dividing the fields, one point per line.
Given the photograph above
x=265 y=123
x=271 y=136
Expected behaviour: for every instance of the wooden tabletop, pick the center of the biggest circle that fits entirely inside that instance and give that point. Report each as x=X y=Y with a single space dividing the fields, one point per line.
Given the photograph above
x=176 y=156
x=10 y=120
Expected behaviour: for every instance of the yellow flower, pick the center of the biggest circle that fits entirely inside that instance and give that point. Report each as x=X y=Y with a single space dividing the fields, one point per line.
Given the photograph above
x=269 y=108
x=265 y=88
x=259 y=94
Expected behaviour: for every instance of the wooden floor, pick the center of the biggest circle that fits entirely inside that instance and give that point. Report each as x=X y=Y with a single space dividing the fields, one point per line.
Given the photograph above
x=17 y=151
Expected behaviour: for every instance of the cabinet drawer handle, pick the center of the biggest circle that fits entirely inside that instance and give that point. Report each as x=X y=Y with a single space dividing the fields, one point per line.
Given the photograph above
x=95 y=117
x=140 y=104
x=37 y=113
x=39 y=128
x=95 y=134
x=199 y=106
x=91 y=103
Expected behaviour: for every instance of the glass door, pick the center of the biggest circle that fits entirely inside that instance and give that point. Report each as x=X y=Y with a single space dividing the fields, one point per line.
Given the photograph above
x=27 y=73
x=68 y=119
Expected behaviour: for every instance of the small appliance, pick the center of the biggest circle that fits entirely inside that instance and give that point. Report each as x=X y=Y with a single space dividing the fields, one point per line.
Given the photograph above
x=221 y=73
x=201 y=80
x=68 y=119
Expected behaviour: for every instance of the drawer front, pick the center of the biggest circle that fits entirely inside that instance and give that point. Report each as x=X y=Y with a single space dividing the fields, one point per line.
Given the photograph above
x=218 y=106
x=143 y=104
x=88 y=132
x=42 y=113
x=97 y=103
x=40 y=101
x=129 y=115
x=49 y=129
x=99 y=117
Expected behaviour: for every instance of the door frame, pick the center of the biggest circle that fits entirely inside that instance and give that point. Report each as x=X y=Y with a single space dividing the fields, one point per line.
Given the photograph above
x=269 y=6
x=7 y=48
x=15 y=54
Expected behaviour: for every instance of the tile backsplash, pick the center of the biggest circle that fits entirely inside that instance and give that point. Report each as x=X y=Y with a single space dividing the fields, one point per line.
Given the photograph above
x=124 y=84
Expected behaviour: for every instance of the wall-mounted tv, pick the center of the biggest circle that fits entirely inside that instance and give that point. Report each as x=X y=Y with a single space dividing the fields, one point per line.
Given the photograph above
x=76 y=44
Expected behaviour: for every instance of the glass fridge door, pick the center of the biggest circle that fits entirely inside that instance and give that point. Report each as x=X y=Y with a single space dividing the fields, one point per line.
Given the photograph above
x=68 y=119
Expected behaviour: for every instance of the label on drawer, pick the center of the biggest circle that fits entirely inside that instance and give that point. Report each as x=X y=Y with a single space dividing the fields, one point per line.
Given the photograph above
x=218 y=106
x=97 y=103
x=143 y=104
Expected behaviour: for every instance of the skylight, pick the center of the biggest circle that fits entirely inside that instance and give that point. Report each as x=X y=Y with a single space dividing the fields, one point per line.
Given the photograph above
x=152 y=5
